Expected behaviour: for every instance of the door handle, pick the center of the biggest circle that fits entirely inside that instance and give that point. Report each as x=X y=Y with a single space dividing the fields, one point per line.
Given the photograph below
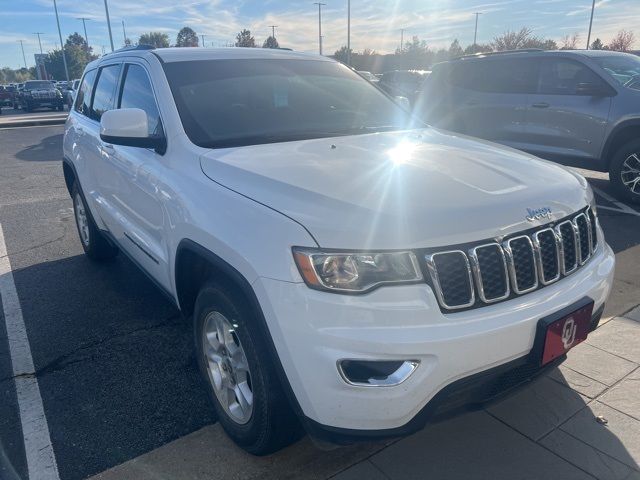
x=541 y=105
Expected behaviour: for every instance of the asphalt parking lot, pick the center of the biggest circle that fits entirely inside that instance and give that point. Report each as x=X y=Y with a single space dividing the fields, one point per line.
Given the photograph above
x=122 y=397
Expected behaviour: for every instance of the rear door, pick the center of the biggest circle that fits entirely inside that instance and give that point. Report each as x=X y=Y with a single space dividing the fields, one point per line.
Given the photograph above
x=488 y=98
x=563 y=124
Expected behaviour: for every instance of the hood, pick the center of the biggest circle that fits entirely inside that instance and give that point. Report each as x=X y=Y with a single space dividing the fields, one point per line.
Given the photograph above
x=395 y=190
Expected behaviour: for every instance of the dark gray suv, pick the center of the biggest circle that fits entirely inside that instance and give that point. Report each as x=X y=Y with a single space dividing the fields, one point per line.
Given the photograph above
x=576 y=107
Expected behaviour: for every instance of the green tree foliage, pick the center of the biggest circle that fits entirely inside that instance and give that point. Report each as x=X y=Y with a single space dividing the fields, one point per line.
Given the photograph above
x=77 y=53
x=478 y=48
x=271 y=42
x=342 y=55
x=187 y=38
x=597 y=45
x=244 y=39
x=155 y=39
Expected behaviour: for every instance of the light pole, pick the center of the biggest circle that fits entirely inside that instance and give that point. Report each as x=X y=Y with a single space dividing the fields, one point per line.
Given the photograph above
x=349 y=32
x=124 y=34
x=401 y=39
x=84 y=26
x=475 y=32
x=273 y=30
x=106 y=10
x=39 y=42
x=64 y=57
x=202 y=36
x=319 y=25
x=24 y=59
x=593 y=7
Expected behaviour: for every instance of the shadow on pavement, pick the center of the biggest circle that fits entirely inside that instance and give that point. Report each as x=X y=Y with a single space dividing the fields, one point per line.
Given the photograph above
x=42 y=152
x=114 y=361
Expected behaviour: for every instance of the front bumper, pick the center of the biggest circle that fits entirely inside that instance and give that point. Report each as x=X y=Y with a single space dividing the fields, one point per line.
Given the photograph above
x=313 y=330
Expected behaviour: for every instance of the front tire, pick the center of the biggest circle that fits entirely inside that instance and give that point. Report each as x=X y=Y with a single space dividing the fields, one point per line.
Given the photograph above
x=94 y=243
x=239 y=374
x=624 y=171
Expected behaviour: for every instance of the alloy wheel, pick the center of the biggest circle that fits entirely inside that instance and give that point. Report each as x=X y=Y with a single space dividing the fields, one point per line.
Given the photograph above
x=227 y=367
x=630 y=173
x=82 y=220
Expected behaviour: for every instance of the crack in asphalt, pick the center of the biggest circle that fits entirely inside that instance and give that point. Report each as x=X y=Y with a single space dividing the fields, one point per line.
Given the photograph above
x=40 y=245
x=68 y=359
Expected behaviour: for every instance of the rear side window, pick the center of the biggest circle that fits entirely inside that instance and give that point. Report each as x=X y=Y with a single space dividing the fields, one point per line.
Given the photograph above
x=105 y=93
x=137 y=93
x=496 y=76
x=83 y=98
x=562 y=76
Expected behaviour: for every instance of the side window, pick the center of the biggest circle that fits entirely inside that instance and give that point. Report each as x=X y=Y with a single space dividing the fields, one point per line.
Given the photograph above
x=105 y=93
x=497 y=76
x=562 y=77
x=83 y=97
x=137 y=93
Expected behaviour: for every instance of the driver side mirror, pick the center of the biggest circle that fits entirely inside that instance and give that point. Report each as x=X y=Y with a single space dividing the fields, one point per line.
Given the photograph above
x=129 y=127
x=593 y=90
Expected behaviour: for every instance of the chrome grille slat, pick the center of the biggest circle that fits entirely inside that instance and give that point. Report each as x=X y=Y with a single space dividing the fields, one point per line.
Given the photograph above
x=491 y=272
x=437 y=268
x=495 y=286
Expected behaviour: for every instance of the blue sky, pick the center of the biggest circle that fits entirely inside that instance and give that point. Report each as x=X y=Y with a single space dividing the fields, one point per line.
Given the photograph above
x=376 y=24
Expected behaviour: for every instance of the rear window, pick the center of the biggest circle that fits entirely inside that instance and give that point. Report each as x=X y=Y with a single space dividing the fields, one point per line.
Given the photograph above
x=104 y=97
x=44 y=85
x=83 y=97
x=515 y=75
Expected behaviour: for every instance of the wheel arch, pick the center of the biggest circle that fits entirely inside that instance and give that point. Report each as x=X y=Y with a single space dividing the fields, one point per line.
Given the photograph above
x=70 y=174
x=622 y=133
x=211 y=266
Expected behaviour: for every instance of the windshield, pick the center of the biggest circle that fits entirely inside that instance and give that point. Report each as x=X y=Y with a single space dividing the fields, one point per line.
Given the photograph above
x=624 y=68
x=227 y=103
x=44 y=85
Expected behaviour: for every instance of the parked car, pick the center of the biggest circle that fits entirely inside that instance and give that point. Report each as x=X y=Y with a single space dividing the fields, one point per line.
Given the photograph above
x=368 y=76
x=347 y=270
x=5 y=97
x=404 y=83
x=579 y=108
x=40 y=94
x=16 y=94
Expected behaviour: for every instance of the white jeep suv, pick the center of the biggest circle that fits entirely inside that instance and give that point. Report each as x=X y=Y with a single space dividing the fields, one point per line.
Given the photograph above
x=349 y=271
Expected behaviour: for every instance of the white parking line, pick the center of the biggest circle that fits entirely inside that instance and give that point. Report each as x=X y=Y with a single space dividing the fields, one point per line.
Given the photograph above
x=41 y=460
x=621 y=206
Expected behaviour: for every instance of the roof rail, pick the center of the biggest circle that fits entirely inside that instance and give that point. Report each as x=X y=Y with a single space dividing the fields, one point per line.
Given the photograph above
x=503 y=52
x=130 y=48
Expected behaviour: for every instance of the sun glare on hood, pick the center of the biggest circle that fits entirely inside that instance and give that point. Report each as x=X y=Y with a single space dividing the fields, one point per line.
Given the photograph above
x=402 y=153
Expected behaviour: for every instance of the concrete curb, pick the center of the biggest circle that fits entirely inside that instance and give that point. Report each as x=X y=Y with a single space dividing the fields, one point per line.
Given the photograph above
x=32 y=123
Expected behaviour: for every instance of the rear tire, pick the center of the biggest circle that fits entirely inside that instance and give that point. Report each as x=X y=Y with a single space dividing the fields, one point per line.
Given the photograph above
x=239 y=373
x=93 y=242
x=624 y=171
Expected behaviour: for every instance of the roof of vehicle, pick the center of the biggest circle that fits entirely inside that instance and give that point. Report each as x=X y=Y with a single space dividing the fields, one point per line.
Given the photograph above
x=539 y=52
x=177 y=54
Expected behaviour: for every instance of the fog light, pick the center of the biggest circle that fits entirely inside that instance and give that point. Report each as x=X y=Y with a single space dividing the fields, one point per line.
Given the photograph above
x=376 y=373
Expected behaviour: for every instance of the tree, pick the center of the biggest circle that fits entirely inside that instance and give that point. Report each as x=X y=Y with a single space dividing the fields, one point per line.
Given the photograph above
x=271 y=42
x=570 y=42
x=342 y=55
x=77 y=54
x=524 y=38
x=244 y=39
x=155 y=39
x=8 y=75
x=455 y=50
x=186 y=38
x=622 y=42
x=478 y=48
x=415 y=46
x=597 y=44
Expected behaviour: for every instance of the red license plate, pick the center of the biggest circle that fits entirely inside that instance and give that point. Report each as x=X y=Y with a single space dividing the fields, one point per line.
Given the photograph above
x=566 y=333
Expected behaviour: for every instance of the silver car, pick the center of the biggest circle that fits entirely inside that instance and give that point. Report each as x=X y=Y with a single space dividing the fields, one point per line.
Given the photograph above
x=576 y=107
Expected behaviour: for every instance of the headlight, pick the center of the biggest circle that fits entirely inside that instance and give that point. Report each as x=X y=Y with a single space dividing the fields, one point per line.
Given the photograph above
x=355 y=272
